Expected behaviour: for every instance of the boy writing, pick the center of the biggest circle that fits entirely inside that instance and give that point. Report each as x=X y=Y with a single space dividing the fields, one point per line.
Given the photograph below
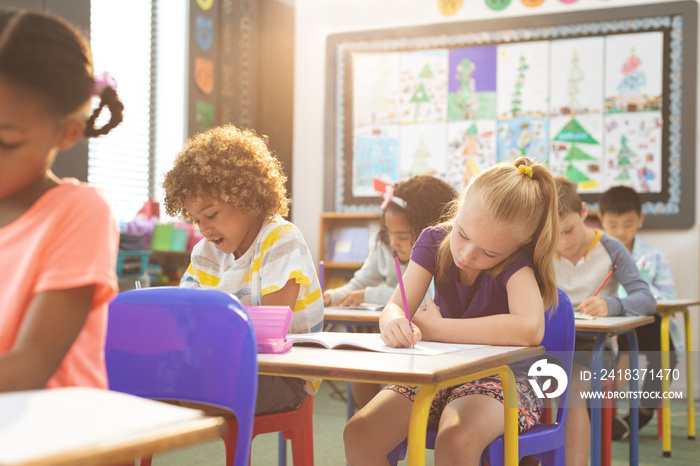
x=622 y=217
x=584 y=258
x=227 y=182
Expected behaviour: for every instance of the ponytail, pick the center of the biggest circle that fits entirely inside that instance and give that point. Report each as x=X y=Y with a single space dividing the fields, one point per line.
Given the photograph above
x=109 y=99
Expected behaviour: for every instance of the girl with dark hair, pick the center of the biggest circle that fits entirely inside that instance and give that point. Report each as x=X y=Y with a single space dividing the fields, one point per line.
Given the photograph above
x=58 y=238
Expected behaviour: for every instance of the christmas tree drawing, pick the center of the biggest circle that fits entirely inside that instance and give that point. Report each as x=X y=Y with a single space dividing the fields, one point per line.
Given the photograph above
x=633 y=78
x=574 y=77
x=419 y=96
x=575 y=134
x=516 y=100
x=465 y=101
x=624 y=161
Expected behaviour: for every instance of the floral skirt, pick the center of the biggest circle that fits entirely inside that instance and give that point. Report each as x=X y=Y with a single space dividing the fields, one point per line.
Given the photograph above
x=529 y=406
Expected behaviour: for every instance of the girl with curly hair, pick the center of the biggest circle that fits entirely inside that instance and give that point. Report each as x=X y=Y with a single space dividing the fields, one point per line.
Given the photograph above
x=228 y=183
x=58 y=237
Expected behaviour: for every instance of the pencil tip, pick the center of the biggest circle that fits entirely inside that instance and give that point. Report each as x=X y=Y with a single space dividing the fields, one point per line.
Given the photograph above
x=395 y=254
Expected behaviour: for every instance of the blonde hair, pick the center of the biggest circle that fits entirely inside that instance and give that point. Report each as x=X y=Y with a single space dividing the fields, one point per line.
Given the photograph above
x=524 y=200
x=230 y=164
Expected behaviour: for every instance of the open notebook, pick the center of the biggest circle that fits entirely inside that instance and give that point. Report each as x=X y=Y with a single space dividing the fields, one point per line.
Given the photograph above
x=579 y=316
x=373 y=342
x=359 y=307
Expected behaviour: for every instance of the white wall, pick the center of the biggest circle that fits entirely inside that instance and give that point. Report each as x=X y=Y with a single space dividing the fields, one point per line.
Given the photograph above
x=316 y=19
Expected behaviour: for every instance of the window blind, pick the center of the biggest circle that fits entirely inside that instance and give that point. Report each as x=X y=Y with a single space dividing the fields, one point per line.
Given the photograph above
x=123 y=42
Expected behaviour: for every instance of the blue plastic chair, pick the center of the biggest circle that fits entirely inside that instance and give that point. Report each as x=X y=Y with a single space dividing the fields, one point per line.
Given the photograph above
x=545 y=441
x=187 y=344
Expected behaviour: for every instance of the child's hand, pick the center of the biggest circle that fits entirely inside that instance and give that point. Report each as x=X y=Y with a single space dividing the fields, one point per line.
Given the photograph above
x=397 y=333
x=351 y=299
x=594 y=306
x=429 y=320
x=326 y=298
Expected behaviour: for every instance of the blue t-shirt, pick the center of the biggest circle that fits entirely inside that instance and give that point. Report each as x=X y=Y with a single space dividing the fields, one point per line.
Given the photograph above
x=488 y=294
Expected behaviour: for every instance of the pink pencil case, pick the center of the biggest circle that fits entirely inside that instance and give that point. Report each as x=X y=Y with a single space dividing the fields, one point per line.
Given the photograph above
x=271 y=324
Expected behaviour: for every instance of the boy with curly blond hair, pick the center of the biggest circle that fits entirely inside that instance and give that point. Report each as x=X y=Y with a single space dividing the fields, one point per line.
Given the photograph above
x=227 y=182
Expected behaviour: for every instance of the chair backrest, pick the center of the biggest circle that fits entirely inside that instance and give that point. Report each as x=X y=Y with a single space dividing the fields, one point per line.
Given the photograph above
x=559 y=339
x=186 y=344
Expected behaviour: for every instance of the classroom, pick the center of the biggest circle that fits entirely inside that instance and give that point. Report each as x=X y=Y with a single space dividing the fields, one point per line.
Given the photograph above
x=352 y=112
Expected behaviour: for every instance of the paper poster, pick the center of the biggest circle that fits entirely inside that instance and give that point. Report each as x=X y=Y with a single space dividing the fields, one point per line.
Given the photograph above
x=471 y=149
x=422 y=150
x=633 y=72
x=520 y=137
x=375 y=88
x=204 y=74
x=376 y=156
x=576 y=150
x=633 y=150
x=523 y=80
x=472 y=83
x=423 y=84
x=576 y=82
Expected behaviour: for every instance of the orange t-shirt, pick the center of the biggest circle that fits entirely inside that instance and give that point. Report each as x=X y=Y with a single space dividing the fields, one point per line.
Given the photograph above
x=67 y=239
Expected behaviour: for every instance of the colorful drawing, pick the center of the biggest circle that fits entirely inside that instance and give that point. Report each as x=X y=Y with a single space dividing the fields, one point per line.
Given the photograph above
x=471 y=148
x=576 y=85
x=375 y=88
x=376 y=156
x=423 y=86
x=472 y=83
x=633 y=79
x=633 y=150
x=522 y=137
x=581 y=158
x=522 y=80
x=422 y=150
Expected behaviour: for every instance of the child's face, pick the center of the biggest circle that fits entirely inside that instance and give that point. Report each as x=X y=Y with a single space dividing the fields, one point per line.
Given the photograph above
x=623 y=226
x=399 y=231
x=479 y=243
x=231 y=231
x=29 y=139
x=571 y=236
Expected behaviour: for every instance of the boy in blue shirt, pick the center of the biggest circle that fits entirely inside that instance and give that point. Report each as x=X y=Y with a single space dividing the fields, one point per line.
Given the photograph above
x=622 y=217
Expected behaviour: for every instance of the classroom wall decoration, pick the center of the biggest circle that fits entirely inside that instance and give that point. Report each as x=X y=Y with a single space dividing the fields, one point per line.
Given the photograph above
x=602 y=97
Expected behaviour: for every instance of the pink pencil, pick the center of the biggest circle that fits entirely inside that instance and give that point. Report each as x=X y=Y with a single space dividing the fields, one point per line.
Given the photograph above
x=605 y=281
x=403 y=291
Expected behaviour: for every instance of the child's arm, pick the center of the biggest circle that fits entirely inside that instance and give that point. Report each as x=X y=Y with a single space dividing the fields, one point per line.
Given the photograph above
x=367 y=276
x=392 y=322
x=639 y=300
x=524 y=325
x=50 y=326
x=287 y=296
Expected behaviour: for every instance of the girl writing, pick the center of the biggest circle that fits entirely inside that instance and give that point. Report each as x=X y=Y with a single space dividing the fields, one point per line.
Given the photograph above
x=58 y=238
x=492 y=263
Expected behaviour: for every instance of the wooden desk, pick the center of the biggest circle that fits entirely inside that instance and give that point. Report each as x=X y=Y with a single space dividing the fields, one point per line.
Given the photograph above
x=339 y=315
x=87 y=426
x=431 y=373
x=667 y=309
x=601 y=329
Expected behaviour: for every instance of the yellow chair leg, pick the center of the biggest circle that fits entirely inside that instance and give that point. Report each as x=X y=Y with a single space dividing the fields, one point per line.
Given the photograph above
x=689 y=366
x=665 y=384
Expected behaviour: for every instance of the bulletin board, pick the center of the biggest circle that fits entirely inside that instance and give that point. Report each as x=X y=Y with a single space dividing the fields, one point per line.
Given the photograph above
x=604 y=97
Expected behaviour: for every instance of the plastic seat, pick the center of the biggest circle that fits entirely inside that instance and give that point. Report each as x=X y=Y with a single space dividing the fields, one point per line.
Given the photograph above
x=545 y=441
x=188 y=344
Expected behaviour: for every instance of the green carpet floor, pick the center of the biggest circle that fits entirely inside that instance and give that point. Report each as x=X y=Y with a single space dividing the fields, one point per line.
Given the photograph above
x=329 y=420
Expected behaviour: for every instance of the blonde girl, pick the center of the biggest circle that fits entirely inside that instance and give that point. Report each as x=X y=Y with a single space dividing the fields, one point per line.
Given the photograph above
x=492 y=263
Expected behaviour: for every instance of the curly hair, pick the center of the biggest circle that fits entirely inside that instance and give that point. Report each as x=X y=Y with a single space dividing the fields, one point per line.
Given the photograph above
x=230 y=164
x=426 y=198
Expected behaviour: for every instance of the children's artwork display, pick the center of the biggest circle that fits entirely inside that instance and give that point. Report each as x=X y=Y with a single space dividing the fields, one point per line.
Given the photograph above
x=599 y=96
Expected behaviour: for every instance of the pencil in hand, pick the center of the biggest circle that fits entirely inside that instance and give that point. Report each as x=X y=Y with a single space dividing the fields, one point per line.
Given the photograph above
x=607 y=277
x=403 y=291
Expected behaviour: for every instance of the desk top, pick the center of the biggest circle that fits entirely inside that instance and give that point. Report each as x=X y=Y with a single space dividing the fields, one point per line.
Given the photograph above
x=81 y=426
x=676 y=303
x=370 y=366
x=332 y=314
x=615 y=324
